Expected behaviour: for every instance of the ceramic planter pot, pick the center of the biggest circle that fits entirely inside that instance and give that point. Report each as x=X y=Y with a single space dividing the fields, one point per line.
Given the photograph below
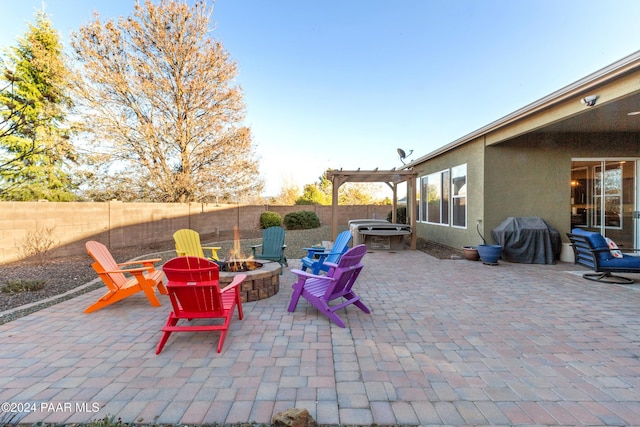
x=470 y=253
x=490 y=254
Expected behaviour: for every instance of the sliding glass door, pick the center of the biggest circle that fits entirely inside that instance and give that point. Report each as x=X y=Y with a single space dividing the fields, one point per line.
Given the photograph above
x=604 y=197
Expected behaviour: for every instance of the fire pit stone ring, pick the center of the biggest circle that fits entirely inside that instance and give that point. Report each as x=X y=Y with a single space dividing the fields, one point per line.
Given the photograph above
x=261 y=282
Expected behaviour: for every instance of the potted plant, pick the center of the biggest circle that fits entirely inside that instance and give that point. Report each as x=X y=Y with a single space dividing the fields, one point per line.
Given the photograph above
x=470 y=253
x=489 y=254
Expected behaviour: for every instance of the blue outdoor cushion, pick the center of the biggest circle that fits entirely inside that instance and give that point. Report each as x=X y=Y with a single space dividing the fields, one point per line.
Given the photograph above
x=627 y=261
x=597 y=242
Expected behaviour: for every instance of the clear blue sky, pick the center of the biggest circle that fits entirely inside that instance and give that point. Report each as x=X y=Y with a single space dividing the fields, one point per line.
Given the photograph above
x=344 y=83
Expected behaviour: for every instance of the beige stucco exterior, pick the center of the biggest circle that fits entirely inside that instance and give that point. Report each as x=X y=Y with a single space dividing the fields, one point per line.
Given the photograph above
x=473 y=155
x=521 y=165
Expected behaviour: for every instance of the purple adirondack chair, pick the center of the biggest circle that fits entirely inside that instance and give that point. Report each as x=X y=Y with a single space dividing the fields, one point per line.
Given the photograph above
x=338 y=283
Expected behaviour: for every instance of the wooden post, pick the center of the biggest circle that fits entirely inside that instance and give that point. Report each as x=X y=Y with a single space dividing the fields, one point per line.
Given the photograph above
x=411 y=210
x=336 y=183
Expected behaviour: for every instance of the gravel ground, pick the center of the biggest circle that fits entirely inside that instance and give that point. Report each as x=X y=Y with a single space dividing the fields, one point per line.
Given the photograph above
x=67 y=277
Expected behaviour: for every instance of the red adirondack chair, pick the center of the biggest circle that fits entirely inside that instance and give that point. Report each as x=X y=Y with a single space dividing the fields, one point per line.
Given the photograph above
x=123 y=282
x=194 y=290
x=338 y=283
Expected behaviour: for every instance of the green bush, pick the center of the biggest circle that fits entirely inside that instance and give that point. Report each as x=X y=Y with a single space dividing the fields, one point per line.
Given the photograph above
x=270 y=219
x=301 y=220
x=401 y=215
x=17 y=286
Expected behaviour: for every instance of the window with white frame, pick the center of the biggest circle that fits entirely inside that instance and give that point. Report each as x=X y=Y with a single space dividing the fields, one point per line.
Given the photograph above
x=443 y=195
x=459 y=195
x=424 y=184
x=417 y=204
x=435 y=198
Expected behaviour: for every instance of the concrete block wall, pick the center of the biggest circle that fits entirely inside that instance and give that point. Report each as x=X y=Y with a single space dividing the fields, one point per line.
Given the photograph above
x=118 y=224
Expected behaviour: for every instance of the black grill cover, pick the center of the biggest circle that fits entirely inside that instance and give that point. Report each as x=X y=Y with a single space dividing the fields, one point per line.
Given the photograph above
x=529 y=240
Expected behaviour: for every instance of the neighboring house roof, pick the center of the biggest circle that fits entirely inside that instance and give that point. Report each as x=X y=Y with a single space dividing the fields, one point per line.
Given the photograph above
x=617 y=88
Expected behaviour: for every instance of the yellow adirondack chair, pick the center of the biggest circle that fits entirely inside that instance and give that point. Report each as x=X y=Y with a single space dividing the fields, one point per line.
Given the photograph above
x=188 y=244
x=124 y=282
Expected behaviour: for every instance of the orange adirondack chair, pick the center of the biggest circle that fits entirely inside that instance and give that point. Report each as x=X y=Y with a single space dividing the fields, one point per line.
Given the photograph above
x=124 y=282
x=194 y=290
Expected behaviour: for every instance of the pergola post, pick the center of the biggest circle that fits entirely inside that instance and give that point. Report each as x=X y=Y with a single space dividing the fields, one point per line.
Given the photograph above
x=394 y=204
x=335 y=185
x=411 y=211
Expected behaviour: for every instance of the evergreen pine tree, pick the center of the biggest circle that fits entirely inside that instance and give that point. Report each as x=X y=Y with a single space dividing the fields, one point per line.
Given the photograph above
x=34 y=136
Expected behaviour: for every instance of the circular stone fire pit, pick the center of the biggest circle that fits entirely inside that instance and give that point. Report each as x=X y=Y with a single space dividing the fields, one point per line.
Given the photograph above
x=262 y=282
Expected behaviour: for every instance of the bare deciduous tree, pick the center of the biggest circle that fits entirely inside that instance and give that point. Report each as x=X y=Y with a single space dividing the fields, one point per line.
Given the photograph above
x=162 y=108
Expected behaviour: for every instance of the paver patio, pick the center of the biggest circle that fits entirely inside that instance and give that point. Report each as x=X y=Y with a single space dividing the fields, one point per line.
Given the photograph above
x=447 y=342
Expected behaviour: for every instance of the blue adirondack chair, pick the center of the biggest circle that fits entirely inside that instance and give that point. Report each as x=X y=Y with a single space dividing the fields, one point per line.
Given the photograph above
x=272 y=246
x=320 y=291
x=317 y=258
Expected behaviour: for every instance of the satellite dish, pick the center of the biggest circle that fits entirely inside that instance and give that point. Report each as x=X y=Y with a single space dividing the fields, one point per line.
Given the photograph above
x=403 y=155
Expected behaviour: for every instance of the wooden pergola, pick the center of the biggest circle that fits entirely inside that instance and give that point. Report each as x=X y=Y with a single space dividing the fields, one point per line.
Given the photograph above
x=390 y=177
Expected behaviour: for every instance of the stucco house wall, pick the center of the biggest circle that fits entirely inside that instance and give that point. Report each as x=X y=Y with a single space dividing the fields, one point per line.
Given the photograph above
x=526 y=176
x=530 y=175
x=473 y=155
x=521 y=164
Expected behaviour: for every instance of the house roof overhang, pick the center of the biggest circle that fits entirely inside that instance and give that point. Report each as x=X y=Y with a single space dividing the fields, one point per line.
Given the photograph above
x=616 y=86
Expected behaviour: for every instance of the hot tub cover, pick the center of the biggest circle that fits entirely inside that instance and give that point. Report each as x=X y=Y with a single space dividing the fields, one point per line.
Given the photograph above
x=528 y=240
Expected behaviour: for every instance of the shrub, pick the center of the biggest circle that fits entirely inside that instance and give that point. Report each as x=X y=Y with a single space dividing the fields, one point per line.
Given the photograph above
x=401 y=215
x=301 y=220
x=108 y=421
x=38 y=243
x=16 y=286
x=270 y=219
